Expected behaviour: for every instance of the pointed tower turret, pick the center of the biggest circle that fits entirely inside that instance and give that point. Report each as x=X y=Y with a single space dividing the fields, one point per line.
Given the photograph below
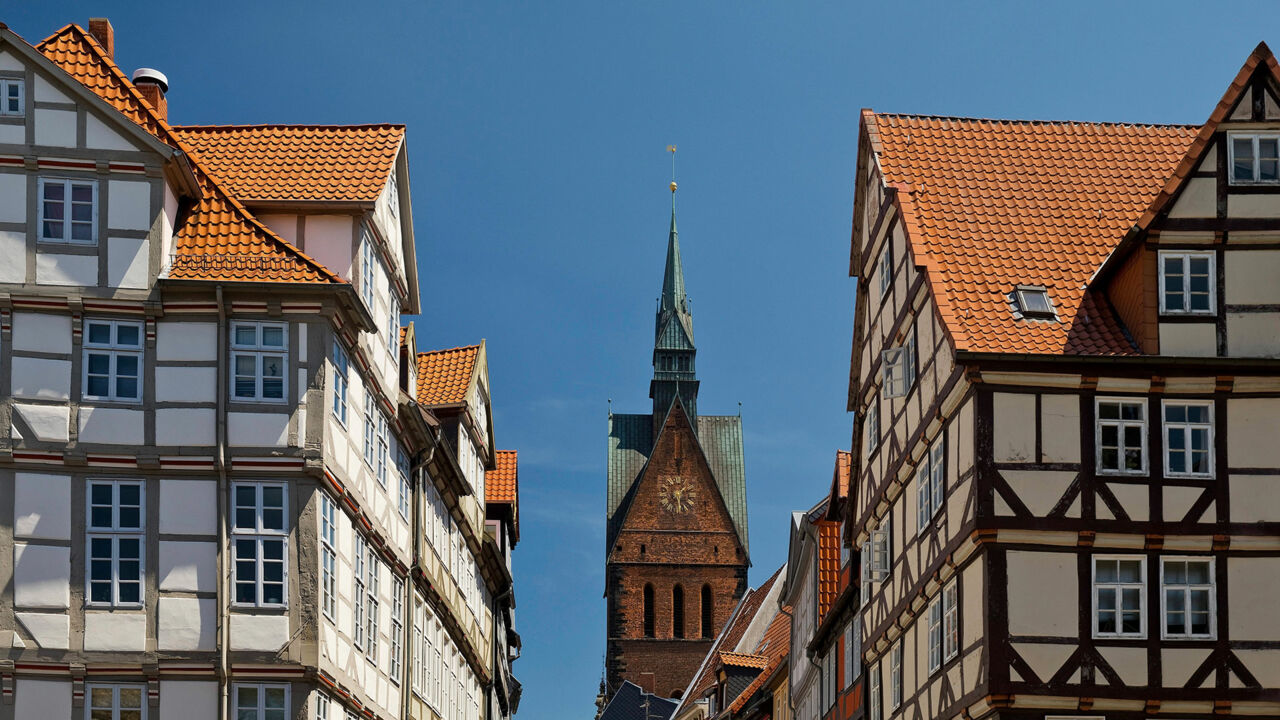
x=674 y=354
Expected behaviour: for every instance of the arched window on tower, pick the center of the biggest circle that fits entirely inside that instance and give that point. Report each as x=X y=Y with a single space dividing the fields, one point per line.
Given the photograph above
x=677 y=611
x=648 y=611
x=708 y=612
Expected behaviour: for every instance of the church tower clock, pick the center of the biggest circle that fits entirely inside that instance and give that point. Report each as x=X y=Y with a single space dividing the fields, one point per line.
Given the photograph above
x=676 y=540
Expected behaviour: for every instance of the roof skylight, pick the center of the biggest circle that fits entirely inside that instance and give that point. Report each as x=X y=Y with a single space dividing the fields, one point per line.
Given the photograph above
x=1032 y=302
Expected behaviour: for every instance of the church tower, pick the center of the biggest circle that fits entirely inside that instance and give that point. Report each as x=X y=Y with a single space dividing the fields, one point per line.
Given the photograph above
x=676 y=555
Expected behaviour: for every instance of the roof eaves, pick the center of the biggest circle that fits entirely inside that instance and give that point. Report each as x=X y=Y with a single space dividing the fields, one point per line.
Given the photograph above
x=951 y=322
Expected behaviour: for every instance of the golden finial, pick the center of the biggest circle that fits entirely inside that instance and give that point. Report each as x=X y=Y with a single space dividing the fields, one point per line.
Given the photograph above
x=672 y=149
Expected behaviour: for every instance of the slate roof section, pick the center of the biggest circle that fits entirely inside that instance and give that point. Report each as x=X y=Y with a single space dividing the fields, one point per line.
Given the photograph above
x=631 y=441
x=445 y=375
x=991 y=204
x=261 y=163
x=632 y=703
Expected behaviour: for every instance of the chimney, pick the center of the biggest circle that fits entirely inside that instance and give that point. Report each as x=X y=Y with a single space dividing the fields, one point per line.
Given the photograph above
x=153 y=85
x=101 y=30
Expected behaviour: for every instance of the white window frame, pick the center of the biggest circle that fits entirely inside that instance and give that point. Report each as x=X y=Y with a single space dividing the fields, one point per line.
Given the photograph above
x=115 y=532
x=851 y=659
x=393 y=195
x=898 y=369
x=924 y=495
x=359 y=556
x=1121 y=424
x=865 y=562
x=67 y=186
x=886 y=267
x=328 y=557
x=950 y=621
x=871 y=426
x=405 y=496
x=6 y=84
x=260 y=535
x=1140 y=585
x=367 y=262
x=260 y=352
x=1023 y=292
x=371 y=411
x=393 y=324
x=1254 y=137
x=113 y=350
x=261 y=708
x=882 y=551
x=373 y=566
x=397 y=627
x=1187 y=588
x=384 y=449
x=1187 y=428
x=938 y=473
x=1186 y=256
x=115 y=707
x=322 y=706
x=341 y=381
x=875 y=699
x=895 y=676
x=935 y=633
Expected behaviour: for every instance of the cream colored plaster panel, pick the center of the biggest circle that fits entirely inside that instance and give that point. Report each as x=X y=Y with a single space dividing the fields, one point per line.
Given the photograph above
x=46 y=91
x=1253 y=334
x=187 y=384
x=50 y=423
x=1129 y=663
x=1060 y=428
x=129 y=206
x=115 y=631
x=50 y=631
x=1255 y=585
x=188 y=623
x=100 y=136
x=1243 y=110
x=1044 y=658
x=181 y=340
x=1135 y=499
x=55 y=269
x=55 y=127
x=1199 y=199
x=1251 y=277
x=42 y=506
x=1178 y=500
x=1253 y=497
x=1039 y=490
x=1185 y=238
x=114 y=426
x=1270 y=110
x=267 y=633
x=13 y=197
x=1179 y=664
x=1123 y=385
x=8 y=61
x=971 y=584
x=1252 y=443
x=194 y=700
x=1190 y=384
x=251 y=429
x=1014 y=427
x=127 y=263
x=185 y=427
x=1041 y=593
x=286 y=226
x=1189 y=339
x=1264 y=664
x=13 y=247
x=329 y=241
x=42 y=332
x=1253 y=206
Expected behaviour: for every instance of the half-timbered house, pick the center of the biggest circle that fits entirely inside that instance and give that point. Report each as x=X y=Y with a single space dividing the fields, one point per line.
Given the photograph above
x=1067 y=390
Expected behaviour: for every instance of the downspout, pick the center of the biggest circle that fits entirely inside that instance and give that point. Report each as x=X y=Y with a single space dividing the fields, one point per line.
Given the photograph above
x=224 y=668
x=419 y=468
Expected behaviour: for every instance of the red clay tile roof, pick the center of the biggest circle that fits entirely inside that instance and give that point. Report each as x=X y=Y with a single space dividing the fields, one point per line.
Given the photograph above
x=757 y=662
x=991 y=204
x=501 y=485
x=730 y=635
x=445 y=375
x=296 y=162
x=844 y=460
x=218 y=239
x=828 y=566
x=774 y=646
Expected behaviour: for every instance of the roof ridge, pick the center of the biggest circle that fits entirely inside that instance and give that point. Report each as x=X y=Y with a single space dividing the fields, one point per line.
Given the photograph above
x=445 y=350
x=307 y=126
x=1030 y=121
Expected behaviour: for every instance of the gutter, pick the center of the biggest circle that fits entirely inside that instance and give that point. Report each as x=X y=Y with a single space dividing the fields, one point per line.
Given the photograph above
x=1228 y=365
x=224 y=491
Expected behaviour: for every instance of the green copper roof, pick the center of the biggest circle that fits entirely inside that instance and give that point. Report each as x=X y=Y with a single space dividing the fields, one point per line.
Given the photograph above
x=673 y=295
x=631 y=440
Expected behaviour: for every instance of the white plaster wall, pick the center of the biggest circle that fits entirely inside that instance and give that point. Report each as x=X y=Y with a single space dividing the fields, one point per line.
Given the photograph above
x=187 y=384
x=13 y=247
x=1039 y=490
x=13 y=134
x=115 y=631
x=189 y=507
x=41 y=699
x=1252 y=443
x=1255 y=584
x=266 y=633
x=1253 y=334
x=257 y=429
x=127 y=262
x=48 y=630
x=185 y=426
x=46 y=91
x=188 y=566
x=286 y=226
x=9 y=62
x=100 y=136
x=1042 y=594
x=187 y=699
x=1251 y=277
x=1199 y=198
x=1253 y=497
x=56 y=127
x=185 y=623
x=1129 y=663
x=50 y=423
x=181 y=340
x=329 y=242
x=129 y=205
x=1189 y=339
x=114 y=426
x=13 y=197
x=1060 y=428
x=166 y=228
x=41 y=575
x=53 y=269
x=42 y=332
x=42 y=379
x=1014 y=428
x=42 y=506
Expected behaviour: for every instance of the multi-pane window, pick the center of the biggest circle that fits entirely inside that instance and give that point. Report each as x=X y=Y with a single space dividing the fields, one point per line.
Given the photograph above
x=112 y=360
x=1187 y=282
x=322 y=706
x=116 y=702
x=931 y=481
x=358 y=557
x=68 y=211
x=886 y=269
x=898 y=369
x=1122 y=436
x=1255 y=158
x=384 y=442
x=935 y=634
x=1188 y=438
x=895 y=676
x=872 y=427
x=406 y=491
x=393 y=196
x=260 y=701
x=259 y=535
x=874 y=698
x=393 y=325
x=370 y=427
x=882 y=551
x=258 y=352
x=1118 y=596
x=373 y=566
x=12 y=96
x=850 y=659
x=865 y=571
x=950 y=621
x=341 y=366
x=367 y=263
x=829 y=679
x=397 y=626
x=1188 y=597
x=328 y=556
x=115 y=535
x=1033 y=302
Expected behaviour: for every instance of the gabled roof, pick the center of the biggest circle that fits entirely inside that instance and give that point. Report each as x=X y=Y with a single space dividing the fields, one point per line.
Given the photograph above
x=840 y=480
x=991 y=204
x=630 y=702
x=501 y=485
x=728 y=638
x=444 y=376
x=828 y=565
x=775 y=648
x=261 y=163
x=218 y=239
x=745 y=660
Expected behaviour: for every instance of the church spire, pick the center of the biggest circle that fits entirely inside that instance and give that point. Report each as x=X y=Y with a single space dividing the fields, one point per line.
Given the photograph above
x=674 y=353
x=673 y=295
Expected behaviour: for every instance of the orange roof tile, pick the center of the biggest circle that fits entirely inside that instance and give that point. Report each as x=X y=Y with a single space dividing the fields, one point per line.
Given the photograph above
x=757 y=662
x=844 y=460
x=729 y=636
x=774 y=646
x=991 y=204
x=501 y=485
x=218 y=239
x=296 y=162
x=828 y=565
x=445 y=375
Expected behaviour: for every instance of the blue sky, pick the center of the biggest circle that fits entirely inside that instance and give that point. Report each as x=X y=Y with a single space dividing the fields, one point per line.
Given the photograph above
x=537 y=135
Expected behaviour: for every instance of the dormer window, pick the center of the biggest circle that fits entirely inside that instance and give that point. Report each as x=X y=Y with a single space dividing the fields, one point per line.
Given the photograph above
x=12 y=97
x=1255 y=158
x=1032 y=302
x=1187 y=282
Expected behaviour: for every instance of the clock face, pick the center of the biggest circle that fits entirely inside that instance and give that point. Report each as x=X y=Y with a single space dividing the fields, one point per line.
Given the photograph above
x=676 y=495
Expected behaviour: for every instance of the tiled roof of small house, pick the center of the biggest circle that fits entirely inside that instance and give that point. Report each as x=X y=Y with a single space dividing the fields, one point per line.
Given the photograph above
x=774 y=647
x=445 y=375
x=501 y=485
x=728 y=638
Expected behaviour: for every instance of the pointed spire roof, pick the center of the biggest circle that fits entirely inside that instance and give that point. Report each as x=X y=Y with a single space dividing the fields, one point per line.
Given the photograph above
x=673 y=295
